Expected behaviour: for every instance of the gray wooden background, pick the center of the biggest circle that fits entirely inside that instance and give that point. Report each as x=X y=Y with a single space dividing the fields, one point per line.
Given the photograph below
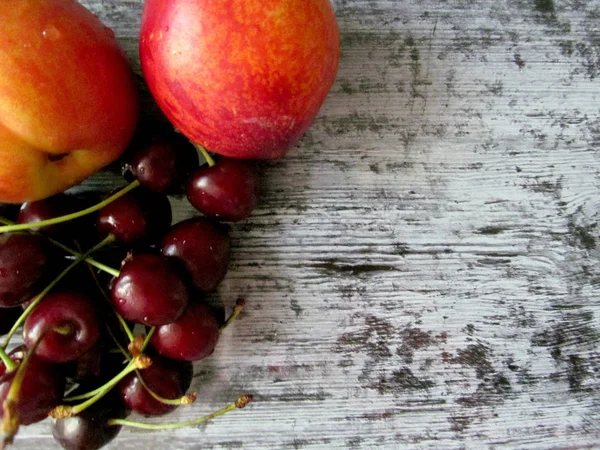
x=423 y=271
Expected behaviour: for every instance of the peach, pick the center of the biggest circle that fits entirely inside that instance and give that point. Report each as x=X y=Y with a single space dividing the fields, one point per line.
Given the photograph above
x=68 y=100
x=243 y=78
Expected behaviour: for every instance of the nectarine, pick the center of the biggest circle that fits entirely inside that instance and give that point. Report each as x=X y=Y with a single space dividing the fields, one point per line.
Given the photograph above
x=243 y=78
x=68 y=101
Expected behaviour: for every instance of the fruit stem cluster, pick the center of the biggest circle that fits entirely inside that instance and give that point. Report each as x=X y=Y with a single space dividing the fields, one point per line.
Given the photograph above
x=50 y=286
x=61 y=411
x=72 y=216
x=89 y=260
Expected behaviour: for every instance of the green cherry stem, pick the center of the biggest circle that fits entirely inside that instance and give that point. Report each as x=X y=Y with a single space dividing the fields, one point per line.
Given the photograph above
x=9 y=364
x=239 y=403
x=110 y=238
x=186 y=399
x=61 y=411
x=130 y=367
x=237 y=309
x=90 y=261
x=138 y=344
x=148 y=337
x=75 y=215
x=209 y=159
x=125 y=327
x=10 y=417
x=120 y=319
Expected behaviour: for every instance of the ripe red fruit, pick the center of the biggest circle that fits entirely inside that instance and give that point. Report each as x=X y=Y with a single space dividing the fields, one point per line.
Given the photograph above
x=168 y=379
x=140 y=215
x=49 y=208
x=243 y=78
x=192 y=337
x=89 y=430
x=149 y=290
x=227 y=190
x=23 y=261
x=68 y=98
x=62 y=309
x=203 y=247
x=160 y=160
x=41 y=390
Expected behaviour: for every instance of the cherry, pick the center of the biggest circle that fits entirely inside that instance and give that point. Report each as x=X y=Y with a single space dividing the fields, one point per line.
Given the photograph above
x=67 y=310
x=149 y=290
x=166 y=378
x=161 y=160
x=203 y=247
x=191 y=337
x=41 y=389
x=138 y=215
x=228 y=190
x=89 y=430
x=23 y=261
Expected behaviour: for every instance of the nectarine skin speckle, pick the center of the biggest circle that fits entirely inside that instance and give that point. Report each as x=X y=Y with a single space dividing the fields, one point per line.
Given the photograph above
x=243 y=78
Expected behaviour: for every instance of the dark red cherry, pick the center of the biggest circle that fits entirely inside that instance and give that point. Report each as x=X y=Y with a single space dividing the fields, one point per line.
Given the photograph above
x=24 y=260
x=164 y=377
x=68 y=310
x=191 y=337
x=150 y=290
x=49 y=208
x=41 y=390
x=139 y=215
x=228 y=190
x=89 y=429
x=160 y=161
x=203 y=247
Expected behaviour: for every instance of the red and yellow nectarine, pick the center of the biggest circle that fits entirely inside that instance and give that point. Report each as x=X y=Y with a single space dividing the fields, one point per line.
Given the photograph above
x=68 y=101
x=243 y=78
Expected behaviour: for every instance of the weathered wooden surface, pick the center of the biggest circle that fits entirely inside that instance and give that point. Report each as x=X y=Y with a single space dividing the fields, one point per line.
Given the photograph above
x=423 y=271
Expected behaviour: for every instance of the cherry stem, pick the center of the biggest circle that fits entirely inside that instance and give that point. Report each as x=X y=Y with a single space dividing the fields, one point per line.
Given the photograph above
x=65 y=329
x=8 y=363
x=209 y=159
x=139 y=343
x=139 y=362
x=239 y=403
x=10 y=419
x=125 y=327
x=120 y=319
x=75 y=215
x=186 y=399
x=110 y=238
x=148 y=337
x=237 y=309
x=91 y=261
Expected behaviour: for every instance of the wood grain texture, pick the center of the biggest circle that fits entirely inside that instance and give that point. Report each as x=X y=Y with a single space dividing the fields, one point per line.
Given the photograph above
x=423 y=271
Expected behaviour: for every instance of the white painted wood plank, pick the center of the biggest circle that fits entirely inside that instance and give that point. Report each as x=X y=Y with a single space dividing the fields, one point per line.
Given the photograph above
x=423 y=270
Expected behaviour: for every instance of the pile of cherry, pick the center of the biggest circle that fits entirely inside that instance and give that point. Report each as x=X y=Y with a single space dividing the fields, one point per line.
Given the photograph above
x=112 y=299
